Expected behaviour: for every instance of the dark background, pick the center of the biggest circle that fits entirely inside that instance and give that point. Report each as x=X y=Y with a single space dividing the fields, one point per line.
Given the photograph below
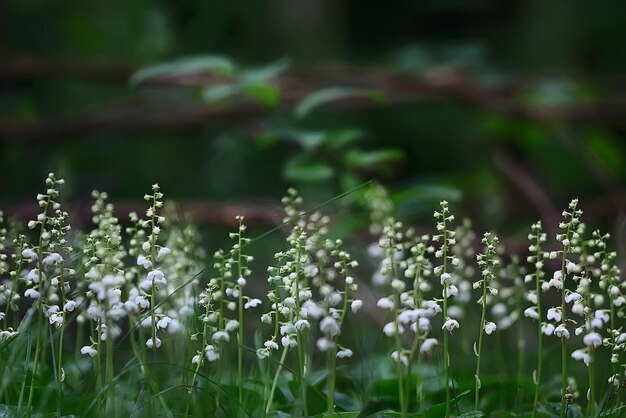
x=509 y=109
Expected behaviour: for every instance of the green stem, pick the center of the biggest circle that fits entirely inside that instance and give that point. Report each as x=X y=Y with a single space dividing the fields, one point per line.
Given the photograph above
x=275 y=382
x=480 y=339
x=240 y=329
x=563 y=339
x=330 y=384
x=539 y=331
x=301 y=371
x=399 y=371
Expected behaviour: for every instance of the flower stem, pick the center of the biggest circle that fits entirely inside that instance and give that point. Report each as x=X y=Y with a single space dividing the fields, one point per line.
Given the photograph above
x=275 y=382
x=480 y=340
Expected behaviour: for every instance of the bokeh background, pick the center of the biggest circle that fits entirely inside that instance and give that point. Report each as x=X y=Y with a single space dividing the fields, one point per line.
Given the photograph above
x=508 y=109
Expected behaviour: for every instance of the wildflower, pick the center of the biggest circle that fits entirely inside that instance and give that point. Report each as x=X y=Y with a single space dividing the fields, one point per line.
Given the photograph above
x=490 y=327
x=592 y=339
x=385 y=303
x=400 y=358
x=450 y=325
x=428 y=344
x=547 y=328
x=88 y=350
x=156 y=343
x=329 y=326
x=531 y=313
x=583 y=355
x=554 y=314
x=345 y=353
x=356 y=305
x=252 y=303
x=573 y=296
x=561 y=332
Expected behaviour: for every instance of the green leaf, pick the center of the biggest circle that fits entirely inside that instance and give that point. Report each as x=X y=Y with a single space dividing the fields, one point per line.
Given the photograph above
x=343 y=138
x=377 y=158
x=321 y=97
x=439 y=410
x=265 y=94
x=303 y=168
x=209 y=63
x=212 y=94
x=266 y=73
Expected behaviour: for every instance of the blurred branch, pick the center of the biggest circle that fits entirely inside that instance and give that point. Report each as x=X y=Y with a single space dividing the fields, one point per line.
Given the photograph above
x=31 y=67
x=200 y=212
x=444 y=83
x=528 y=187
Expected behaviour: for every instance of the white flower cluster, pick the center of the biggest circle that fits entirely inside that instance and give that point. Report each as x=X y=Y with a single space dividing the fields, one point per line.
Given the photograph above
x=446 y=237
x=291 y=305
x=487 y=262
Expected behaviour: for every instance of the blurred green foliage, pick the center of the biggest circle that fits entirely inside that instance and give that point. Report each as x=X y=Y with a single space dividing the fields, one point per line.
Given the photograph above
x=560 y=53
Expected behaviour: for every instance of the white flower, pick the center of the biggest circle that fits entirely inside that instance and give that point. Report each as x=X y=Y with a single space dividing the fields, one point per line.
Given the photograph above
x=56 y=319
x=195 y=359
x=312 y=309
x=390 y=329
x=290 y=302
x=356 y=305
x=51 y=259
x=151 y=344
x=614 y=291
x=323 y=344
x=573 y=296
x=210 y=353
x=402 y=358
x=329 y=326
x=592 y=339
x=33 y=276
x=32 y=293
x=451 y=291
x=266 y=318
x=556 y=281
x=619 y=301
x=385 y=303
x=582 y=355
x=157 y=277
x=490 y=327
x=445 y=278
x=301 y=324
x=93 y=274
x=231 y=325
x=90 y=351
x=30 y=254
x=561 y=332
x=531 y=313
x=578 y=308
x=346 y=352
x=547 y=328
x=163 y=251
x=220 y=336
x=241 y=281
x=423 y=324
x=163 y=322
x=288 y=342
x=144 y=262
x=262 y=353
x=450 y=325
x=602 y=315
x=554 y=314
x=252 y=303
x=270 y=345
x=287 y=329
x=428 y=344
